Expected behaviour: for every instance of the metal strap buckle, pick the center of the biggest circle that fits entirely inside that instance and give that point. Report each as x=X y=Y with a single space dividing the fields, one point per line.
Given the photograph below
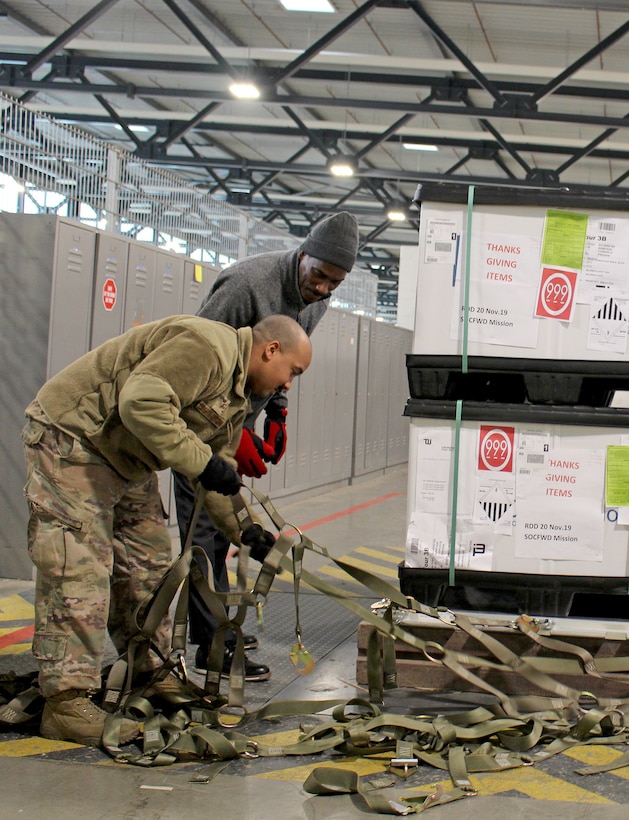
x=405 y=763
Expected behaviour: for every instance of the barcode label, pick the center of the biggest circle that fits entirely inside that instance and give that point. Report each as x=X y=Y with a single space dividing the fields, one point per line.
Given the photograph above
x=443 y=247
x=606 y=226
x=414 y=546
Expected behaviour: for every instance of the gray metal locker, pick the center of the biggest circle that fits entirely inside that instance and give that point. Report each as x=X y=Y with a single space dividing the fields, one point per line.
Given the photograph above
x=361 y=396
x=198 y=278
x=324 y=399
x=346 y=364
x=290 y=457
x=110 y=279
x=315 y=380
x=138 y=305
x=398 y=423
x=71 y=300
x=377 y=396
x=168 y=289
x=308 y=432
x=46 y=271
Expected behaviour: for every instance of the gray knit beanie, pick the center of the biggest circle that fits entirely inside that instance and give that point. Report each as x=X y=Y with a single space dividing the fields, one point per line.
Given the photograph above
x=334 y=240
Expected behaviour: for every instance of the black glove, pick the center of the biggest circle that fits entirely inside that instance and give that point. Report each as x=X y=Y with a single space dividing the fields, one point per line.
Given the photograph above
x=251 y=454
x=259 y=541
x=220 y=477
x=275 y=426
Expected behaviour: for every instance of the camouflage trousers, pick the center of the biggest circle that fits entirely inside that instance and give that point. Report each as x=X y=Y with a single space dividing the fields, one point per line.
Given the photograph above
x=100 y=544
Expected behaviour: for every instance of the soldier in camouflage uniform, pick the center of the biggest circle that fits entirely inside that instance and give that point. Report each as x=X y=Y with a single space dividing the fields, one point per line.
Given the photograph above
x=172 y=393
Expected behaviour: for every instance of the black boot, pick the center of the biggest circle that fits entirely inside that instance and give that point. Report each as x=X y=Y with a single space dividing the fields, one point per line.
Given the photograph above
x=253 y=671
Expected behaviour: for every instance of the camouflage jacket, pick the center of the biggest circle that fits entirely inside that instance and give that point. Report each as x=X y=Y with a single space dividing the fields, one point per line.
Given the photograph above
x=165 y=394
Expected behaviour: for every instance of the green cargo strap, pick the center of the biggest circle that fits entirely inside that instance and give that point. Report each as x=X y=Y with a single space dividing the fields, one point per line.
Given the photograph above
x=328 y=780
x=24 y=707
x=619 y=763
x=589 y=663
x=460 y=744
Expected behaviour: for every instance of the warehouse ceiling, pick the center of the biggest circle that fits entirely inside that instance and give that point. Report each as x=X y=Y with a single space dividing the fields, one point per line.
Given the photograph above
x=530 y=94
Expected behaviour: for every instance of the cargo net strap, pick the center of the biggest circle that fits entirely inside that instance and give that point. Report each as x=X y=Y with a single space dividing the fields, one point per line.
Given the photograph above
x=513 y=726
x=191 y=722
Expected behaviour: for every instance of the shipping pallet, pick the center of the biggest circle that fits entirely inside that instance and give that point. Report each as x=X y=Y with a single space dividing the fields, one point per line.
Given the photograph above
x=561 y=382
x=602 y=639
x=554 y=596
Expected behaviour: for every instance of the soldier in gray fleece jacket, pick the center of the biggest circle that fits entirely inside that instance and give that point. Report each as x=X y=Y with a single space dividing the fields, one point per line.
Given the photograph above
x=297 y=284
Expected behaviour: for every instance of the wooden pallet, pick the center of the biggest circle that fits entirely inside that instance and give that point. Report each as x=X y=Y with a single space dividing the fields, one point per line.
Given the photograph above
x=415 y=671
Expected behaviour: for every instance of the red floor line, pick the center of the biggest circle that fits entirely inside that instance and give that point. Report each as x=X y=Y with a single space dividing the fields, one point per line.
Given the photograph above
x=348 y=511
x=18 y=636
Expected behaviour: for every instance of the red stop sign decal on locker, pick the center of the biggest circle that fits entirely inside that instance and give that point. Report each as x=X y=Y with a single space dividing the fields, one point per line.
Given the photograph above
x=109 y=294
x=495 y=450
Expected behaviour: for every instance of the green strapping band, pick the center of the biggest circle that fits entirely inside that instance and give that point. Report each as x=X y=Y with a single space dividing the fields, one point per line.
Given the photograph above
x=459 y=404
x=466 y=297
x=455 y=492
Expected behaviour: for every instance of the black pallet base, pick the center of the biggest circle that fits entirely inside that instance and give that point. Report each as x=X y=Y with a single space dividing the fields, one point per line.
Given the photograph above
x=547 y=596
x=511 y=413
x=513 y=380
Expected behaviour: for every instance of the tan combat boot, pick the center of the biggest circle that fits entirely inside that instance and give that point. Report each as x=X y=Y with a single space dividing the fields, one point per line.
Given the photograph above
x=173 y=690
x=71 y=715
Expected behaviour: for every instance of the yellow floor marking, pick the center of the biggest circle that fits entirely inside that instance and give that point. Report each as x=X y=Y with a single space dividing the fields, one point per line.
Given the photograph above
x=593 y=755
x=285 y=738
x=534 y=783
x=335 y=572
x=366 y=565
x=360 y=765
x=16 y=649
x=288 y=578
x=381 y=553
x=527 y=781
x=233 y=580
x=15 y=608
x=25 y=747
x=341 y=575
x=285 y=577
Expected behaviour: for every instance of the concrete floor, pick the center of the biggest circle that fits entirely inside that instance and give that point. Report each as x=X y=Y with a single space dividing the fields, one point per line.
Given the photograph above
x=367 y=522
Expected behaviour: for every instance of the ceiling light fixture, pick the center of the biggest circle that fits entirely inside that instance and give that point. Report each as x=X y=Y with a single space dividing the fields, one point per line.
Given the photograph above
x=244 y=90
x=396 y=214
x=138 y=129
x=419 y=146
x=342 y=167
x=308 y=5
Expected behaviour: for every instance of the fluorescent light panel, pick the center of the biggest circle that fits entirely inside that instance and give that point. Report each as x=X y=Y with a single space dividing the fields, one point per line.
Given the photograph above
x=341 y=168
x=419 y=146
x=244 y=91
x=138 y=129
x=307 y=5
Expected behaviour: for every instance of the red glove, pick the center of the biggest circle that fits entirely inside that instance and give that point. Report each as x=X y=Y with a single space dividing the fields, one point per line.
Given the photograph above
x=251 y=454
x=275 y=430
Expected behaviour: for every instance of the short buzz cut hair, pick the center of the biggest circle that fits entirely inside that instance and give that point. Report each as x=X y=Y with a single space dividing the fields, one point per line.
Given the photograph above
x=279 y=328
